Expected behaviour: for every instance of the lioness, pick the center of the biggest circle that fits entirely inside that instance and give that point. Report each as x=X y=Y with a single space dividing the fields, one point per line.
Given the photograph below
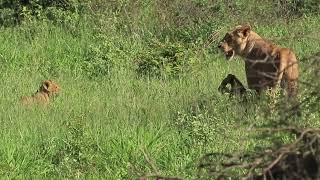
x=266 y=64
x=47 y=90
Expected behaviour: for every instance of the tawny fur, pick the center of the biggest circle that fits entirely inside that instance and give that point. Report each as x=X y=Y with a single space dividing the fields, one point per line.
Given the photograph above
x=43 y=96
x=266 y=64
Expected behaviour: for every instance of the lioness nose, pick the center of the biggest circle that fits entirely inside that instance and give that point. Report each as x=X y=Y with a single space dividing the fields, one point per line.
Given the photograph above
x=219 y=45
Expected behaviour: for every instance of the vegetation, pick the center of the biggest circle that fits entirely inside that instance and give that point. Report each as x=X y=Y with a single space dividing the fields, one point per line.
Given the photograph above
x=139 y=84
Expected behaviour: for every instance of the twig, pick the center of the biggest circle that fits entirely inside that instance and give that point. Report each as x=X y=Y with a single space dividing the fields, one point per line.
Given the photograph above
x=157 y=176
x=274 y=163
x=211 y=39
x=150 y=162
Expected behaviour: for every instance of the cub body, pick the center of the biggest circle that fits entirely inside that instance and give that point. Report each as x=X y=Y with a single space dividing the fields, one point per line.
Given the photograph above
x=47 y=91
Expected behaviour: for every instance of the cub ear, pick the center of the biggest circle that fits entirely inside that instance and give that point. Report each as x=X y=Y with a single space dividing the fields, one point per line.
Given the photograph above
x=244 y=30
x=45 y=85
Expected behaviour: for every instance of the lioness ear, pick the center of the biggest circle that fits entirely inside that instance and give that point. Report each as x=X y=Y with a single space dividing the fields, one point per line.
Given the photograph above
x=244 y=30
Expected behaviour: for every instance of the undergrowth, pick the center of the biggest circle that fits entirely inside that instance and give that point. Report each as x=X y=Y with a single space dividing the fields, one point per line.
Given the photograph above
x=139 y=84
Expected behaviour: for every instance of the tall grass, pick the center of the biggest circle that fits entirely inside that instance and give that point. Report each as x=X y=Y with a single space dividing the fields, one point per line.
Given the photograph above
x=108 y=124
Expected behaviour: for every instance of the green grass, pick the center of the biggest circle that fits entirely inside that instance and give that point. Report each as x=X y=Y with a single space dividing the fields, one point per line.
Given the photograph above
x=119 y=117
x=103 y=127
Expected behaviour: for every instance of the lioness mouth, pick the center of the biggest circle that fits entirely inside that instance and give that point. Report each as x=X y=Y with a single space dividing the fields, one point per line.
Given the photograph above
x=229 y=55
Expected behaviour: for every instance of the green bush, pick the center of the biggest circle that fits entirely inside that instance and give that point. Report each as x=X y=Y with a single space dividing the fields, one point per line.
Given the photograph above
x=297 y=7
x=97 y=62
x=17 y=11
x=73 y=153
x=7 y=16
x=164 y=59
x=199 y=128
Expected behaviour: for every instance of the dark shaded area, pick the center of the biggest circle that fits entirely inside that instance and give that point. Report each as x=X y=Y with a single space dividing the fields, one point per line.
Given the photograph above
x=297 y=160
x=236 y=87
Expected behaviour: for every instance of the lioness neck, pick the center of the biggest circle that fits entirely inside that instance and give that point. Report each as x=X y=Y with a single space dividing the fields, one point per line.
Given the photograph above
x=256 y=47
x=251 y=43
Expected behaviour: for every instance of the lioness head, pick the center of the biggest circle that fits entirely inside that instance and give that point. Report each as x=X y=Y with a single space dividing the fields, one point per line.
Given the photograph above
x=235 y=41
x=49 y=87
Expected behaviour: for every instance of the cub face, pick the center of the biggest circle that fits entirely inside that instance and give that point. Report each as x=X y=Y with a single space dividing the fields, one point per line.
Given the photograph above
x=235 y=41
x=49 y=87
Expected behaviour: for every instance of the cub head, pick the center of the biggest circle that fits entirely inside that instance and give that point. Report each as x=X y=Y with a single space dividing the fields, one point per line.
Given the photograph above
x=49 y=87
x=235 y=41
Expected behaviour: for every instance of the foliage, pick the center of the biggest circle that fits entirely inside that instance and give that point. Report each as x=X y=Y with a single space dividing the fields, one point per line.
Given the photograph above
x=297 y=7
x=98 y=62
x=110 y=123
x=164 y=59
x=72 y=155
x=17 y=11
x=199 y=127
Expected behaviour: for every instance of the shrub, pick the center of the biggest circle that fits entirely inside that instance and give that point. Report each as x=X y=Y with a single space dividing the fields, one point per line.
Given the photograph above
x=164 y=59
x=204 y=118
x=199 y=128
x=72 y=154
x=297 y=7
x=7 y=16
x=98 y=62
x=16 y=11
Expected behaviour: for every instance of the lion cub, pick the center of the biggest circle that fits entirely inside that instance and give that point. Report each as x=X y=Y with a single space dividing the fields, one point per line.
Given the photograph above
x=47 y=90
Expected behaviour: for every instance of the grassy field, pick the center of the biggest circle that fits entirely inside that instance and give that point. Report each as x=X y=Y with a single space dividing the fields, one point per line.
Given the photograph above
x=111 y=122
